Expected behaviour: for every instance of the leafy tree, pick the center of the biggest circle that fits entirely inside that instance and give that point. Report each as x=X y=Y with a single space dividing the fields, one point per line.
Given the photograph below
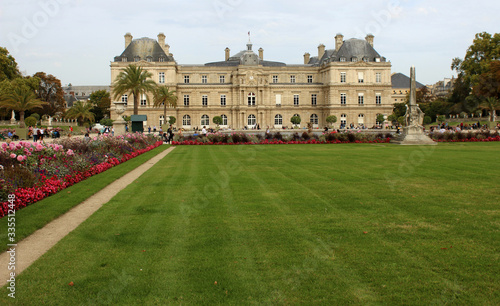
x=163 y=96
x=295 y=120
x=36 y=116
x=50 y=90
x=106 y=122
x=172 y=120
x=491 y=104
x=427 y=120
x=30 y=121
x=217 y=120
x=21 y=99
x=441 y=118
x=401 y=120
x=380 y=118
x=8 y=66
x=81 y=111
x=135 y=81
x=392 y=118
x=399 y=109
x=101 y=103
x=489 y=82
x=331 y=119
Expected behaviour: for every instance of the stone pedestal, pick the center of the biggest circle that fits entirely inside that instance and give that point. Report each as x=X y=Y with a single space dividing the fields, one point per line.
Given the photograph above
x=414 y=135
x=119 y=126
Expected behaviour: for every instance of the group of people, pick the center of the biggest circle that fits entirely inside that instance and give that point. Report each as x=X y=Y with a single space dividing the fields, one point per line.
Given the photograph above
x=39 y=133
x=168 y=136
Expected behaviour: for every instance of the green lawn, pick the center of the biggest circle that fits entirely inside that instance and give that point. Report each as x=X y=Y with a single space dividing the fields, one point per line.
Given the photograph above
x=289 y=224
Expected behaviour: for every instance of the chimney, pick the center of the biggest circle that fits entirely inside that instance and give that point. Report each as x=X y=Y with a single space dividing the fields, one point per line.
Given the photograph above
x=227 y=53
x=161 y=41
x=339 y=41
x=307 y=58
x=167 y=50
x=369 y=39
x=321 y=51
x=128 y=39
x=261 y=54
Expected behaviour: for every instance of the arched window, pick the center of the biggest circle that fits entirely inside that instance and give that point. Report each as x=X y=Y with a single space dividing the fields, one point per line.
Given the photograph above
x=186 y=120
x=205 y=120
x=251 y=120
x=162 y=121
x=224 y=119
x=314 y=119
x=278 y=119
x=251 y=99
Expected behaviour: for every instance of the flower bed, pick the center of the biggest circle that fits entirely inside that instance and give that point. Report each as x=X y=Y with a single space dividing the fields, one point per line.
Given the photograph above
x=33 y=171
x=278 y=138
x=484 y=136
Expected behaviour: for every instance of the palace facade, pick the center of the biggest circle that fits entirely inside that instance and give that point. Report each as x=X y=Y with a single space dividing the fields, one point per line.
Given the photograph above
x=351 y=81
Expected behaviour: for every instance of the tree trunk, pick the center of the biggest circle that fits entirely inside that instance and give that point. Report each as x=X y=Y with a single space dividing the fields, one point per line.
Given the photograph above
x=21 y=120
x=136 y=104
x=165 y=113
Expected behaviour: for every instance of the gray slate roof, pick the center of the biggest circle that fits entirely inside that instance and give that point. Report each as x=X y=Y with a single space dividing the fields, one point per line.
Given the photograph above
x=350 y=48
x=400 y=80
x=144 y=48
x=240 y=57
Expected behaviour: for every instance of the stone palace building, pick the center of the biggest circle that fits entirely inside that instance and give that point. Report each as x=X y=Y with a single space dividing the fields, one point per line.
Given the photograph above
x=351 y=81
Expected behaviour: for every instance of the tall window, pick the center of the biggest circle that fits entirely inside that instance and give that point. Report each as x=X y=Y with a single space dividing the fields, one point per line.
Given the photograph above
x=161 y=77
x=343 y=77
x=204 y=100
x=314 y=119
x=292 y=79
x=222 y=100
x=378 y=99
x=278 y=119
x=186 y=100
x=309 y=79
x=205 y=120
x=343 y=99
x=251 y=120
x=278 y=100
x=186 y=120
x=314 y=99
x=342 y=59
x=186 y=79
x=161 y=59
x=361 y=78
x=143 y=100
x=125 y=99
x=361 y=99
x=275 y=79
x=361 y=119
x=378 y=77
x=204 y=79
x=343 y=120
x=222 y=79
x=295 y=100
x=224 y=119
x=251 y=99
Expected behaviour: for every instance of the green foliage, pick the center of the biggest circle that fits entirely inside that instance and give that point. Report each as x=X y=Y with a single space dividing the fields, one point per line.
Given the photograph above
x=331 y=119
x=401 y=120
x=295 y=120
x=172 y=120
x=441 y=118
x=392 y=118
x=81 y=111
x=380 y=118
x=36 y=116
x=427 y=120
x=21 y=99
x=217 y=120
x=30 y=121
x=106 y=122
x=491 y=104
x=399 y=109
x=101 y=103
x=8 y=66
x=133 y=80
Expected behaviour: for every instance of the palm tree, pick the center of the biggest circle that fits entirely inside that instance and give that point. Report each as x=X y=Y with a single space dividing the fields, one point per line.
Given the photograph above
x=491 y=104
x=81 y=112
x=21 y=99
x=133 y=80
x=163 y=96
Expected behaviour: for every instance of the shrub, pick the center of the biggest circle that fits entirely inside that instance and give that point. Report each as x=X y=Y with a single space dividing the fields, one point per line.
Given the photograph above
x=278 y=136
x=427 y=120
x=305 y=136
x=36 y=116
x=106 y=122
x=30 y=121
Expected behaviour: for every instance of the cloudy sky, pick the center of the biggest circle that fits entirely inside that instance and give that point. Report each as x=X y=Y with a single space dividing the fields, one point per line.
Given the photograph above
x=75 y=40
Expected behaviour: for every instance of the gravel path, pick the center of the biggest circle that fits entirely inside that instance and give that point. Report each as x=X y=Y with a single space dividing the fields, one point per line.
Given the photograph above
x=32 y=247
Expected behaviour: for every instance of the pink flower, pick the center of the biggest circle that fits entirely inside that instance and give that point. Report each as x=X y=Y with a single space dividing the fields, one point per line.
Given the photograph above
x=70 y=152
x=20 y=158
x=12 y=155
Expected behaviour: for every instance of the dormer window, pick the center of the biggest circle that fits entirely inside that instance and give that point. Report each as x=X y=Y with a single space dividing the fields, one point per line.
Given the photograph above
x=366 y=59
x=354 y=59
x=377 y=59
x=137 y=58
x=124 y=59
x=342 y=59
x=161 y=59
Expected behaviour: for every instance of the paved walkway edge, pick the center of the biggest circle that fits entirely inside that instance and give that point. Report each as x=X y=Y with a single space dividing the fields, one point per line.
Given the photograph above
x=32 y=247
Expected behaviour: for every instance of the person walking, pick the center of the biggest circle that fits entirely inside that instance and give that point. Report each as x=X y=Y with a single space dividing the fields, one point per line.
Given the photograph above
x=170 y=134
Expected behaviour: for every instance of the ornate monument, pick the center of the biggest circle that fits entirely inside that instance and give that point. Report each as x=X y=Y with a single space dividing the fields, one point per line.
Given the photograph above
x=413 y=132
x=119 y=123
